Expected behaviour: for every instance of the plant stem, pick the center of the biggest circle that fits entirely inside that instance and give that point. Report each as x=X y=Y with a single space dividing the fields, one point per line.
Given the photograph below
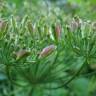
x=74 y=76
x=31 y=93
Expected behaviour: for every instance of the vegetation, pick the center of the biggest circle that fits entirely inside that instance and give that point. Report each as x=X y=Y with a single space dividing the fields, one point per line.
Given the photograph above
x=47 y=48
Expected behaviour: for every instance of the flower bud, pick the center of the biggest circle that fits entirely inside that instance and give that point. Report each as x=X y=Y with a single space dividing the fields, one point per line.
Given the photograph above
x=92 y=66
x=31 y=28
x=58 y=31
x=3 y=28
x=47 y=51
x=2 y=24
x=75 y=24
x=94 y=26
x=21 y=53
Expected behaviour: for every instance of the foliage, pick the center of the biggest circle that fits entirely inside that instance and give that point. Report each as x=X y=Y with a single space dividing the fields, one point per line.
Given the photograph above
x=46 y=51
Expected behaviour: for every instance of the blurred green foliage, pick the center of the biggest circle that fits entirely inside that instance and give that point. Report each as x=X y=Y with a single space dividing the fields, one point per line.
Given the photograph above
x=27 y=28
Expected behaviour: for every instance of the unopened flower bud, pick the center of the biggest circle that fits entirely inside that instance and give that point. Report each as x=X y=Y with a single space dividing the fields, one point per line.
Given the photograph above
x=93 y=66
x=94 y=26
x=21 y=53
x=3 y=28
x=76 y=50
x=2 y=24
x=31 y=28
x=75 y=24
x=58 y=31
x=47 y=51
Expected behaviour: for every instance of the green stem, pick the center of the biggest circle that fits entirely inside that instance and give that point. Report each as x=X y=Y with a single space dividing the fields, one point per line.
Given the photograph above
x=31 y=93
x=74 y=76
x=10 y=77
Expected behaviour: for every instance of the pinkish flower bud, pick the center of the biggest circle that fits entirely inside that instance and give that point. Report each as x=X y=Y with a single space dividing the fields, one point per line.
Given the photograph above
x=47 y=51
x=58 y=31
x=75 y=24
x=2 y=24
x=21 y=53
